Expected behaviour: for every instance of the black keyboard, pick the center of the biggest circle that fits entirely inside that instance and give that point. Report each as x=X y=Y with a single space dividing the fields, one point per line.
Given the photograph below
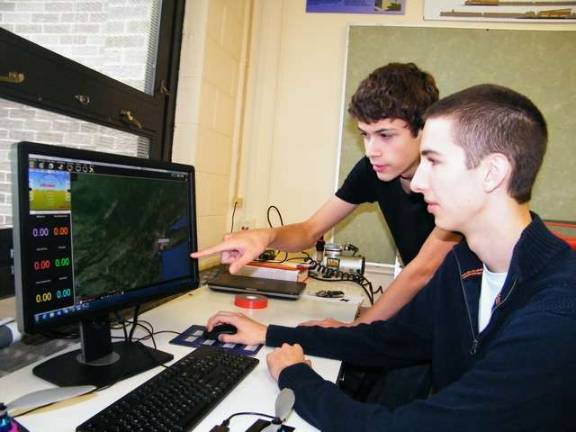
x=177 y=398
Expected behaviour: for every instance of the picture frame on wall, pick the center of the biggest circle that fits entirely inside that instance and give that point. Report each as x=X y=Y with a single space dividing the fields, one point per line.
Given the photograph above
x=378 y=7
x=544 y=11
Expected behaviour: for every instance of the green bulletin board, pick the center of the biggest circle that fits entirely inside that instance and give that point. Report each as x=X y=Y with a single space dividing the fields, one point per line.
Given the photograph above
x=539 y=64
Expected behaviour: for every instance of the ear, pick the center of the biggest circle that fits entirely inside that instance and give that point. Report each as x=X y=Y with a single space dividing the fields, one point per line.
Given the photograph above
x=496 y=171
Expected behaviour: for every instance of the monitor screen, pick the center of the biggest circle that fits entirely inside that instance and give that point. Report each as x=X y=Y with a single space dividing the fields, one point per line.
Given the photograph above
x=96 y=232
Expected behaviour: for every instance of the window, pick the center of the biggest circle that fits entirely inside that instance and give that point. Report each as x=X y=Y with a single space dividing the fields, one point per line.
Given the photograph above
x=97 y=74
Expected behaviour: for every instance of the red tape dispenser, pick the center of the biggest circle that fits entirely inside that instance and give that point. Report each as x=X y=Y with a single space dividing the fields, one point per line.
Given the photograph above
x=250 y=301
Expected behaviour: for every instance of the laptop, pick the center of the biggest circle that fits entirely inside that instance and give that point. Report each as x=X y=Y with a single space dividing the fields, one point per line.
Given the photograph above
x=253 y=285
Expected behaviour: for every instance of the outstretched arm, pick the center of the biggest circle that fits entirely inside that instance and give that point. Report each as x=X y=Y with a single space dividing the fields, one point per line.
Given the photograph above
x=239 y=248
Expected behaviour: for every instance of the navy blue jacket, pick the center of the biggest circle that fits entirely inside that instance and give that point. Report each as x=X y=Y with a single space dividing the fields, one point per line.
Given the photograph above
x=518 y=374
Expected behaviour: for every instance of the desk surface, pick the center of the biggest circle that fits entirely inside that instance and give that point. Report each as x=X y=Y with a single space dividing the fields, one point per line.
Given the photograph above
x=256 y=393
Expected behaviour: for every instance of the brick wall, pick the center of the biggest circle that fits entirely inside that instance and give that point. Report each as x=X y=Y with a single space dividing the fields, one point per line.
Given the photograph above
x=114 y=37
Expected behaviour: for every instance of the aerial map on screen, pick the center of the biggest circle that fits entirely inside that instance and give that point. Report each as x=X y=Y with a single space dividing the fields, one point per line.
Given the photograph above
x=127 y=232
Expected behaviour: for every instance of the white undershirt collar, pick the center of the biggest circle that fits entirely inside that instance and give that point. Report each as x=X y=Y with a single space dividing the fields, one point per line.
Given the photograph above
x=492 y=284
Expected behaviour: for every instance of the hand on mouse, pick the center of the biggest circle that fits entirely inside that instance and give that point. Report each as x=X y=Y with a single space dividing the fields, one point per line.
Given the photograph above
x=249 y=332
x=220 y=329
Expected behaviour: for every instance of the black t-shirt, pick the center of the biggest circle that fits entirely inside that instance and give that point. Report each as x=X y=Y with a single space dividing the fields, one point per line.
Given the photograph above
x=405 y=213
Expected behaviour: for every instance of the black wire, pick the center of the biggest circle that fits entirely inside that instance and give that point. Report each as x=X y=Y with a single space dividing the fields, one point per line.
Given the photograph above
x=134 y=322
x=147 y=326
x=303 y=258
x=285 y=257
x=122 y=324
x=276 y=261
x=249 y=413
x=279 y=216
x=159 y=332
x=150 y=335
x=227 y=421
x=330 y=275
x=122 y=321
x=233 y=213
x=150 y=326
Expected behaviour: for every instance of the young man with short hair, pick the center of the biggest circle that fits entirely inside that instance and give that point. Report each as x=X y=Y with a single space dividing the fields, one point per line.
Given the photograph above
x=498 y=319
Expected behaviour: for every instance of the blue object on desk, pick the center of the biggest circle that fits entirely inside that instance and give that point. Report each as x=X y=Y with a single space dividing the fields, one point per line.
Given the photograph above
x=8 y=424
x=193 y=336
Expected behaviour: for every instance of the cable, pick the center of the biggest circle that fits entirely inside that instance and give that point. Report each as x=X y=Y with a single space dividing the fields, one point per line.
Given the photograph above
x=302 y=258
x=233 y=213
x=134 y=322
x=331 y=275
x=223 y=427
x=275 y=261
x=122 y=321
x=159 y=332
x=150 y=335
x=279 y=216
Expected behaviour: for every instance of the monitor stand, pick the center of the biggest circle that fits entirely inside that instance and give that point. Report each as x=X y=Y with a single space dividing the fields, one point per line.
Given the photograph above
x=100 y=362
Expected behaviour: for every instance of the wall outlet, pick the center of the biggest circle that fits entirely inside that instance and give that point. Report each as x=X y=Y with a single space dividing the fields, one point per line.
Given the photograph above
x=245 y=225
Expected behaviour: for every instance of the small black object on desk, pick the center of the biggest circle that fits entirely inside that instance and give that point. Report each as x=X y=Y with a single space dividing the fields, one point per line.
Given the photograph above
x=220 y=329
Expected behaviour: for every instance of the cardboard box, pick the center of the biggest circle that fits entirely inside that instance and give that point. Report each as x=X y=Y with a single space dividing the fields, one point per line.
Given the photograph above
x=295 y=272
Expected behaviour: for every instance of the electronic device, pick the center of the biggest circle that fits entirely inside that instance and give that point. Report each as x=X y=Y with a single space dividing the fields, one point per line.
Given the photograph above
x=246 y=284
x=319 y=271
x=95 y=233
x=219 y=329
x=177 y=398
x=282 y=408
x=343 y=258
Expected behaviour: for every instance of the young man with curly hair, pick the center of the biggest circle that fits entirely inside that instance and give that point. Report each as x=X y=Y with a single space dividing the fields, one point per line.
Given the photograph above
x=388 y=107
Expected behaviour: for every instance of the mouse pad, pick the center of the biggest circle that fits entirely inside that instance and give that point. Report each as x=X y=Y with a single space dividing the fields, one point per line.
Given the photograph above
x=192 y=337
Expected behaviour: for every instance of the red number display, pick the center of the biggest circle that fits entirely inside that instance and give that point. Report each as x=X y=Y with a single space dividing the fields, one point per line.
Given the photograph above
x=42 y=265
x=60 y=231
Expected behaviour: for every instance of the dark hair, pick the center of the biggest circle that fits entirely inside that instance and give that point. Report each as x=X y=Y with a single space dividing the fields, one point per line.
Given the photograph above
x=488 y=119
x=397 y=90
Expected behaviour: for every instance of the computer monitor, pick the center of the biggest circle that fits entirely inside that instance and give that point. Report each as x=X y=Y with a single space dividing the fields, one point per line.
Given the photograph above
x=95 y=233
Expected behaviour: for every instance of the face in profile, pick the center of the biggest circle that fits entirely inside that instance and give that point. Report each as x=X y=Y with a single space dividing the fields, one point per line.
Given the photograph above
x=453 y=192
x=391 y=148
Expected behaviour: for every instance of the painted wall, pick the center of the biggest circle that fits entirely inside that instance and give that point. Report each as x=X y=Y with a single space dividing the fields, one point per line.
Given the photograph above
x=296 y=82
x=452 y=56
x=284 y=143
x=210 y=96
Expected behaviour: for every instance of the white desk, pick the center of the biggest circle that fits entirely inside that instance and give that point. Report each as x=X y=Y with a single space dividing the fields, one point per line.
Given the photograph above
x=256 y=393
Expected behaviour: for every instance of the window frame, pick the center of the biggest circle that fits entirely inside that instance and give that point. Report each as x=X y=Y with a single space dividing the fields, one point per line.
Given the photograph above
x=54 y=83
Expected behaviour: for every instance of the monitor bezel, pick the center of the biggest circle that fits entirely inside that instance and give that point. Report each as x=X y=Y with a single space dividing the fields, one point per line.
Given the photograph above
x=20 y=153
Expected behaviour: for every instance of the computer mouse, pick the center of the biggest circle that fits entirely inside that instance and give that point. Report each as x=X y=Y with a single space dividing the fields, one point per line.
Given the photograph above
x=220 y=329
